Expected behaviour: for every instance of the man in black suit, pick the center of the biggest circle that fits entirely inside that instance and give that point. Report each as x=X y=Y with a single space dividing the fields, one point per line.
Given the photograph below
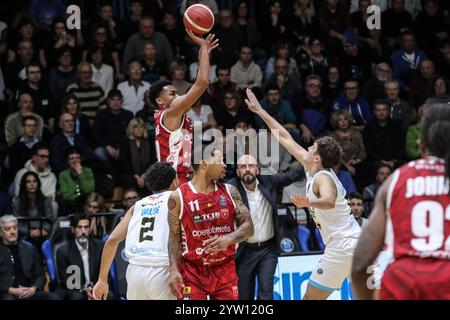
x=78 y=261
x=21 y=273
x=258 y=256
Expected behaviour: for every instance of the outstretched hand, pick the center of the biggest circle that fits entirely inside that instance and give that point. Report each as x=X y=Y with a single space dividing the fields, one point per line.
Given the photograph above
x=209 y=42
x=252 y=102
x=300 y=201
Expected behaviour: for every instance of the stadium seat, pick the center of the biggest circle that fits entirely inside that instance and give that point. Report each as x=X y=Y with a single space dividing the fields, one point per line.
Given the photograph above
x=319 y=239
x=115 y=284
x=303 y=235
x=47 y=251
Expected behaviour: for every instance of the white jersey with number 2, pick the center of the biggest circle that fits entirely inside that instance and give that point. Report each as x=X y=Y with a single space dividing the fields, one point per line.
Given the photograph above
x=148 y=232
x=336 y=223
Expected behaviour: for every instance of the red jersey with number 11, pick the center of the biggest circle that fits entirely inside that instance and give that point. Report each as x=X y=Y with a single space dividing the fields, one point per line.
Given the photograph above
x=174 y=146
x=418 y=204
x=204 y=216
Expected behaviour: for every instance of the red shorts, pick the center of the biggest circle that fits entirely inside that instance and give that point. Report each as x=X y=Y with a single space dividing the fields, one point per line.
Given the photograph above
x=416 y=279
x=217 y=282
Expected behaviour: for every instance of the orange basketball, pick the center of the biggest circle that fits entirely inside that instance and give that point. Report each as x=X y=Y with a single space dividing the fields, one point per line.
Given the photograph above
x=199 y=19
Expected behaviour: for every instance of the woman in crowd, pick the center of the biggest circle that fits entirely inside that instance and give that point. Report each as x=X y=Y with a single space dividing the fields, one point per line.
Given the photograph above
x=96 y=204
x=438 y=91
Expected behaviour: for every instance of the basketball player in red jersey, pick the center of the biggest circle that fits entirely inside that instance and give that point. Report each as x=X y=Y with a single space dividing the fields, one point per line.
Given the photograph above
x=207 y=219
x=173 y=129
x=411 y=215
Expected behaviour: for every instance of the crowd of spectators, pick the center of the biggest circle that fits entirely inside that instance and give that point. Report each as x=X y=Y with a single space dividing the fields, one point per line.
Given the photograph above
x=78 y=129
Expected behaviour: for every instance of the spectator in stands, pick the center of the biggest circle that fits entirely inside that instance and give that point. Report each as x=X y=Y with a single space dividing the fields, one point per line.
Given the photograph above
x=418 y=93
x=39 y=164
x=131 y=23
x=101 y=39
x=373 y=88
x=147 y=114
x=406 y=60
x=304 y=19
x=13 y=123
x=244 y=22
x=350 y=139
x=259 y=254
x=115 y=27
x=71 y=105
x=438 y=91
x=442 y=59
x=153 y=69
x=24 y=31
x=275 y=24
x=44 y=12
x=230 y=39
x=63 y=141
x=312 y=111
x=357 y=205
x=413 y=134
x=60 y=77
x=75 y=183
x=83 y=252
x=130 y=197
x=428 y=38
x=89 y=94
x=202 y=118
x=393 y=20
x=289 y=85
x=193 y=70
x=282 y=51
x=399 y=108
x=217 y=89
x=110 y=127
x=39 y=91
x=133 y=89
x=136 y=154
x=333 y=83
x=135 y=45
x=355 y=61
x=383 y=172
x=174 y=31
x=383 y=138
x=333 y=19
x=31 y=203
x=177 y=70
x=22 y=150
x=313 y=62
x=102 y=73
x=21 y=273
x=355 y=104
x=95 y=203
x=246 y=73
x=281 y=110
x=232 y=113
x=15 y=70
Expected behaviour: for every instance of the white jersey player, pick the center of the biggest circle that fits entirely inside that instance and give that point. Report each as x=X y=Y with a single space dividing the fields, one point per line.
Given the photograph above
x=327 y=203
x=145 y=230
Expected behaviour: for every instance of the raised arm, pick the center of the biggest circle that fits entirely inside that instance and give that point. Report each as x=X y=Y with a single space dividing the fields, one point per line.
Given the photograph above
x=278 y=131
x=101 y=288
x=174 y=246
x=370 y=243
x=326 y=191
x=182 y=104
x=243 y=220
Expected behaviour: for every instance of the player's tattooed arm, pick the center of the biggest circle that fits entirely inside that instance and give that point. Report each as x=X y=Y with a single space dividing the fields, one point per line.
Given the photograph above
x=243 y=218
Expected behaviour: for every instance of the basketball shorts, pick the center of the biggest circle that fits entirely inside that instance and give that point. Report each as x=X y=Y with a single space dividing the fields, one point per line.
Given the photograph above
x=209 y=282
x=148 y=283
x=416 y=279
x=335 y=265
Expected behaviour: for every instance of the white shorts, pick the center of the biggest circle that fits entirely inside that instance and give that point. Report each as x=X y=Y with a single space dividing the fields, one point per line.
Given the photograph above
x=335 y=265
x=148 y=283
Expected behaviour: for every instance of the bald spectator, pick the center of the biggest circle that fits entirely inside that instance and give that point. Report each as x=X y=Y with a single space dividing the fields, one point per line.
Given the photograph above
x=14 y=122
x=89 y=93
x=418 y=92
x=245 y=72
x=133 y=89
x=135 y=45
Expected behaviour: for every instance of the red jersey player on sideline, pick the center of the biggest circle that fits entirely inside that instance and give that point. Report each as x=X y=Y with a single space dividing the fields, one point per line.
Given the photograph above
x=173 y=131
x=203 y=237
x=413 y=208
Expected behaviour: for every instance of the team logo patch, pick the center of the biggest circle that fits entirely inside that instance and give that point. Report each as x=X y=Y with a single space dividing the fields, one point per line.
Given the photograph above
x=197 y=218
x=287 y=245
x=235 y=291
x=187 y=290
x=319 y=271
x=199 y=251
x=224 y=213
x=222 y=201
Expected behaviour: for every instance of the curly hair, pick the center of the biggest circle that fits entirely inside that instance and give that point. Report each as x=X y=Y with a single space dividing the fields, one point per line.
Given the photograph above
x=159 y=176
x=338 y=113
x=330 y=151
